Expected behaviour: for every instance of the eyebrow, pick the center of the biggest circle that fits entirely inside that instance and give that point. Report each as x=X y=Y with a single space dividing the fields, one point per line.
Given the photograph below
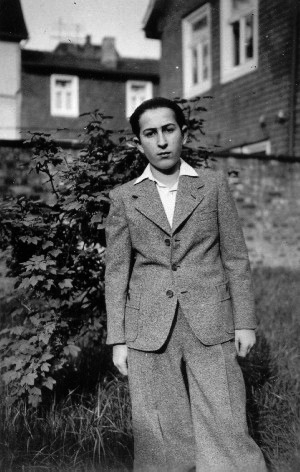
x=154 y=129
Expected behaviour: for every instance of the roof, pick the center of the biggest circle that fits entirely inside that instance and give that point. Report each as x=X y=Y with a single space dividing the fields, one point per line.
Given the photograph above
x=12 y=23
x=87 y=50
x=150 y=22
x=56 y=62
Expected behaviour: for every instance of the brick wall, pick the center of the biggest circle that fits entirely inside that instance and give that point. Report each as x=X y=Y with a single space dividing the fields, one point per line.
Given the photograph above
x=234 y=111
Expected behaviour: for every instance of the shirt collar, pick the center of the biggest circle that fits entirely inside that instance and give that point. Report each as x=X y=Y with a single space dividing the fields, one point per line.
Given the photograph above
x=185 y=169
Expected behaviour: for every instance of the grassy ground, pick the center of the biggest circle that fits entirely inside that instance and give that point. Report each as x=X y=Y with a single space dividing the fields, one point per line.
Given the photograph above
x=77 y=435
x=93 y=433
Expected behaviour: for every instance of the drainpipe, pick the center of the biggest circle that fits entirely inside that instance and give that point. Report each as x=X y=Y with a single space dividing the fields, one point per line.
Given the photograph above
x=294 y=70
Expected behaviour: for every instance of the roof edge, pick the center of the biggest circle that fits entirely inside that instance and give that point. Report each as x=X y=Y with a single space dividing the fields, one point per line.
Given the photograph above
x=12 y=23
x=150 y=20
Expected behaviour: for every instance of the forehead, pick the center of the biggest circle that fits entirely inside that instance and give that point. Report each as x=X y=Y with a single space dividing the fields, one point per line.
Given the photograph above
x=157 y=117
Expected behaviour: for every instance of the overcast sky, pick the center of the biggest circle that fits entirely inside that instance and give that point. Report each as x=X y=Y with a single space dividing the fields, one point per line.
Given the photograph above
x=69 y=20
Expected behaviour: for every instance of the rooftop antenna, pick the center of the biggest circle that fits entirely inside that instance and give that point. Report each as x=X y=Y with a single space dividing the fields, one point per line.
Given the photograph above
x=68 y=32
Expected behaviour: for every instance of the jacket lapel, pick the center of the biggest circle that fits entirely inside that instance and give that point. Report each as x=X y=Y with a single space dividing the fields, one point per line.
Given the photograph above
x=148 y=202
x=188 y=198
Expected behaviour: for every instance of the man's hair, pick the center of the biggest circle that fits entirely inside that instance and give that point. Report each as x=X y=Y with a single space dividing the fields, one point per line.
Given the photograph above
x=153 y=104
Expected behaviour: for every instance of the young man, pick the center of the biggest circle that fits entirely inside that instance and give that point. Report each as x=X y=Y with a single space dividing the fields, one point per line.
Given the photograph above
x=180 y=306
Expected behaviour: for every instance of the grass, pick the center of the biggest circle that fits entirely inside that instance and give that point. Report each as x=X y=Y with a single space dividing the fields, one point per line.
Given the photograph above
x=272 y=372
x=92 y=433
x=77 y=434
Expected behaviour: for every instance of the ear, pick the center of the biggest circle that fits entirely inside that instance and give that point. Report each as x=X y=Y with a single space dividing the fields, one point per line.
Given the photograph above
x=184 y=131
x=138 y=145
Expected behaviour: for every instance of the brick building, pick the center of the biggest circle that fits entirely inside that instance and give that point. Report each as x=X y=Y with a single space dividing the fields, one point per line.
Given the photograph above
x=12 y=32
x=243 y=53
x=58 y=86
x=48 y=91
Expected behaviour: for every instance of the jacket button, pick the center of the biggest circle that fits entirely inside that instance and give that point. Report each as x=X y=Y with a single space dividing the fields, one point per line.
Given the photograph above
x=169 y=293
x=174 y=267
x=167 y=242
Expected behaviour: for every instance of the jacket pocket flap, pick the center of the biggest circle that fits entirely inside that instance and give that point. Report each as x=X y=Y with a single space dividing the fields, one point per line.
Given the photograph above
x=223 y=291
x=207 y=215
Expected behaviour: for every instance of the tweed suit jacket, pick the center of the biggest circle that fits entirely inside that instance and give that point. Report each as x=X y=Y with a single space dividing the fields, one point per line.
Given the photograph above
x=201 y=262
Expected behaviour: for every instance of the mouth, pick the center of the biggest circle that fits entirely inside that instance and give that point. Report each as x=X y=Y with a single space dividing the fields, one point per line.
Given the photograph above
x=164 y=154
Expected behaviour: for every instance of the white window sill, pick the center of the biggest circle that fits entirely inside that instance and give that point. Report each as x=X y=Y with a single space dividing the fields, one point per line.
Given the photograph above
x=64 y=114
x=196 y=90
x=233 y=73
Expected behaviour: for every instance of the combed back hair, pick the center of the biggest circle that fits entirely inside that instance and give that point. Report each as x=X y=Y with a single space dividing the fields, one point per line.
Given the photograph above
x=153 y=104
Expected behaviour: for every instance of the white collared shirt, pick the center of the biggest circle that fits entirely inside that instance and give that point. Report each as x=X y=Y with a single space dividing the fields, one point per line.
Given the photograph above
x=167 y=194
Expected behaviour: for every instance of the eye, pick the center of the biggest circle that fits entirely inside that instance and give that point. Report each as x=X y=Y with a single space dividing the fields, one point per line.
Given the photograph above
x=149 y=134
x=170 y=129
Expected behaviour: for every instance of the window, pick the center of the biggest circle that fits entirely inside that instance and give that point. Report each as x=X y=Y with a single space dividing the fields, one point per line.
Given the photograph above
x=64 y=91
x=263 y=148
x=196 y=54
x=239 y=38
x=136 y=93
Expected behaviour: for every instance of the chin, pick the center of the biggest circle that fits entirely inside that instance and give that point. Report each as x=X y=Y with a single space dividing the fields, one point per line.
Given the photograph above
x=167 y=166
x=171 y=162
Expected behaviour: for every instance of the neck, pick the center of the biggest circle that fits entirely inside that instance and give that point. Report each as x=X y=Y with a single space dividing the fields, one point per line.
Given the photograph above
x=167 y=177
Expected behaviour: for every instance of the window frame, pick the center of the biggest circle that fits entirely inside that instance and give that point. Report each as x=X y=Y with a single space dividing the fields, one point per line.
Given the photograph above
x=258 y=147
x=191 y=89
x=229 y=71
x=148 y=93
x=73 y=112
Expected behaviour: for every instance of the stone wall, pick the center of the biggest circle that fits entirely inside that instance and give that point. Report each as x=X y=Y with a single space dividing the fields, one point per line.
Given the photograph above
x=15 y=178
x=267 y=193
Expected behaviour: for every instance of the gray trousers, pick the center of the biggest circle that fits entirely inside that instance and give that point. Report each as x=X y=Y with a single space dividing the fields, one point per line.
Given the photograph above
x=188 y=407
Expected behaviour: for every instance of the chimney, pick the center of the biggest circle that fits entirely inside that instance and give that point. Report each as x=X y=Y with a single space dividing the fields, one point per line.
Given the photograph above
x=88 y=47
x=109 y=54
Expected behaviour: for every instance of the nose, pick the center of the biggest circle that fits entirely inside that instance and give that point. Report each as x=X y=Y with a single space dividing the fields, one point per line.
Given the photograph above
x=161 y=140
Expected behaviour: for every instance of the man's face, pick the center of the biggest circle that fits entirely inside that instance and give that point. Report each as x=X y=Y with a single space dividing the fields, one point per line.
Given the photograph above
x=161 y=138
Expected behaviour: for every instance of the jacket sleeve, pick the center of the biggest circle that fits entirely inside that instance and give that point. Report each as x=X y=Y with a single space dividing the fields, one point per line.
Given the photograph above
x=235 y=259
x=117 y=271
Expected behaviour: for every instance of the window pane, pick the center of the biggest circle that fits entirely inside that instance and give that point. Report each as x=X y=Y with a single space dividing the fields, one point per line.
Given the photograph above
x=62 y=83
x=205 y=59
x=133 y=103
x=236 y=43
x=68 y=101
x=241 y=4
x=137 y=88
x=58 y=100
x=249 y=37
x=200 y=24
x=195 y=63
x=138 y=94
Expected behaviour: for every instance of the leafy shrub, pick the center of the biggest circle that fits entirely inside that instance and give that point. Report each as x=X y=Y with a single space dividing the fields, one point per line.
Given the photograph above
x=58 y=252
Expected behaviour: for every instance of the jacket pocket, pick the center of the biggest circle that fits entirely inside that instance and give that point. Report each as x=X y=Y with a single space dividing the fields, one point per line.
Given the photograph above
x=225 y=305
x=133 y=300
x=220 y=303
x=214 y=294
x=132 y=314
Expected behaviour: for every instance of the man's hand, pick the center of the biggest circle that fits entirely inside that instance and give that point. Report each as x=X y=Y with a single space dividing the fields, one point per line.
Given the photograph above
x=120 y=358
x=244 y=341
